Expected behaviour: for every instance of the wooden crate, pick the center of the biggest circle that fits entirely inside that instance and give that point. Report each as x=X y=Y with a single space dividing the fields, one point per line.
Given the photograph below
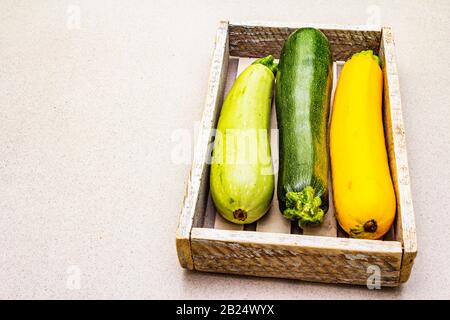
x=273 y=246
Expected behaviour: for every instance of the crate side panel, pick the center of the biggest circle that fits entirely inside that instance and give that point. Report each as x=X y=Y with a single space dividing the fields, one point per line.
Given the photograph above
x=195 y=199
x=291 y=256
x=202 y=153
x=258 y=41
x=398 y=160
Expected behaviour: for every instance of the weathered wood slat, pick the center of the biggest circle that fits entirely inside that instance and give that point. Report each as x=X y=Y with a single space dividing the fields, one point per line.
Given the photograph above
x=232 y=72
x=223 y=224
x=396 y=143
x=252 y=40
x=210 y=214
x=244 y=63
x=310 y=258
x=197 y=189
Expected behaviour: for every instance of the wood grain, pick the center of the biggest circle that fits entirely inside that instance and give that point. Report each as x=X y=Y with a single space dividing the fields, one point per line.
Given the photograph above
x=396 y=142
x=196 y=194
x=310 y=258
x=253 y=40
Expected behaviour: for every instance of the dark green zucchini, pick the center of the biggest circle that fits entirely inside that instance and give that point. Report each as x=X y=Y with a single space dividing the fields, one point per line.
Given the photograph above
x=303 y=90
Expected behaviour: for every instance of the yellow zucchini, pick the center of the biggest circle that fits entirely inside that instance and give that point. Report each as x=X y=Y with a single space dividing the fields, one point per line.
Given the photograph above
x=363 y=192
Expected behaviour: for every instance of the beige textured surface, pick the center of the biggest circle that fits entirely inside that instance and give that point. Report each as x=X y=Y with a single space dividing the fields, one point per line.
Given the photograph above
x=87 y=116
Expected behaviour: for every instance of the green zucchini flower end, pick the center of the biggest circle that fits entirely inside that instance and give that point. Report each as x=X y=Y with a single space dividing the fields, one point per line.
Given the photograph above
x=269 y=63
x=368 y=53
x=304 y=206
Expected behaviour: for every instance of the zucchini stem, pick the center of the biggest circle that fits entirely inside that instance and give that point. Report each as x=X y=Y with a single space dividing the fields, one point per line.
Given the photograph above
x=268 y=62
x=367 y=53
x=304 y=206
